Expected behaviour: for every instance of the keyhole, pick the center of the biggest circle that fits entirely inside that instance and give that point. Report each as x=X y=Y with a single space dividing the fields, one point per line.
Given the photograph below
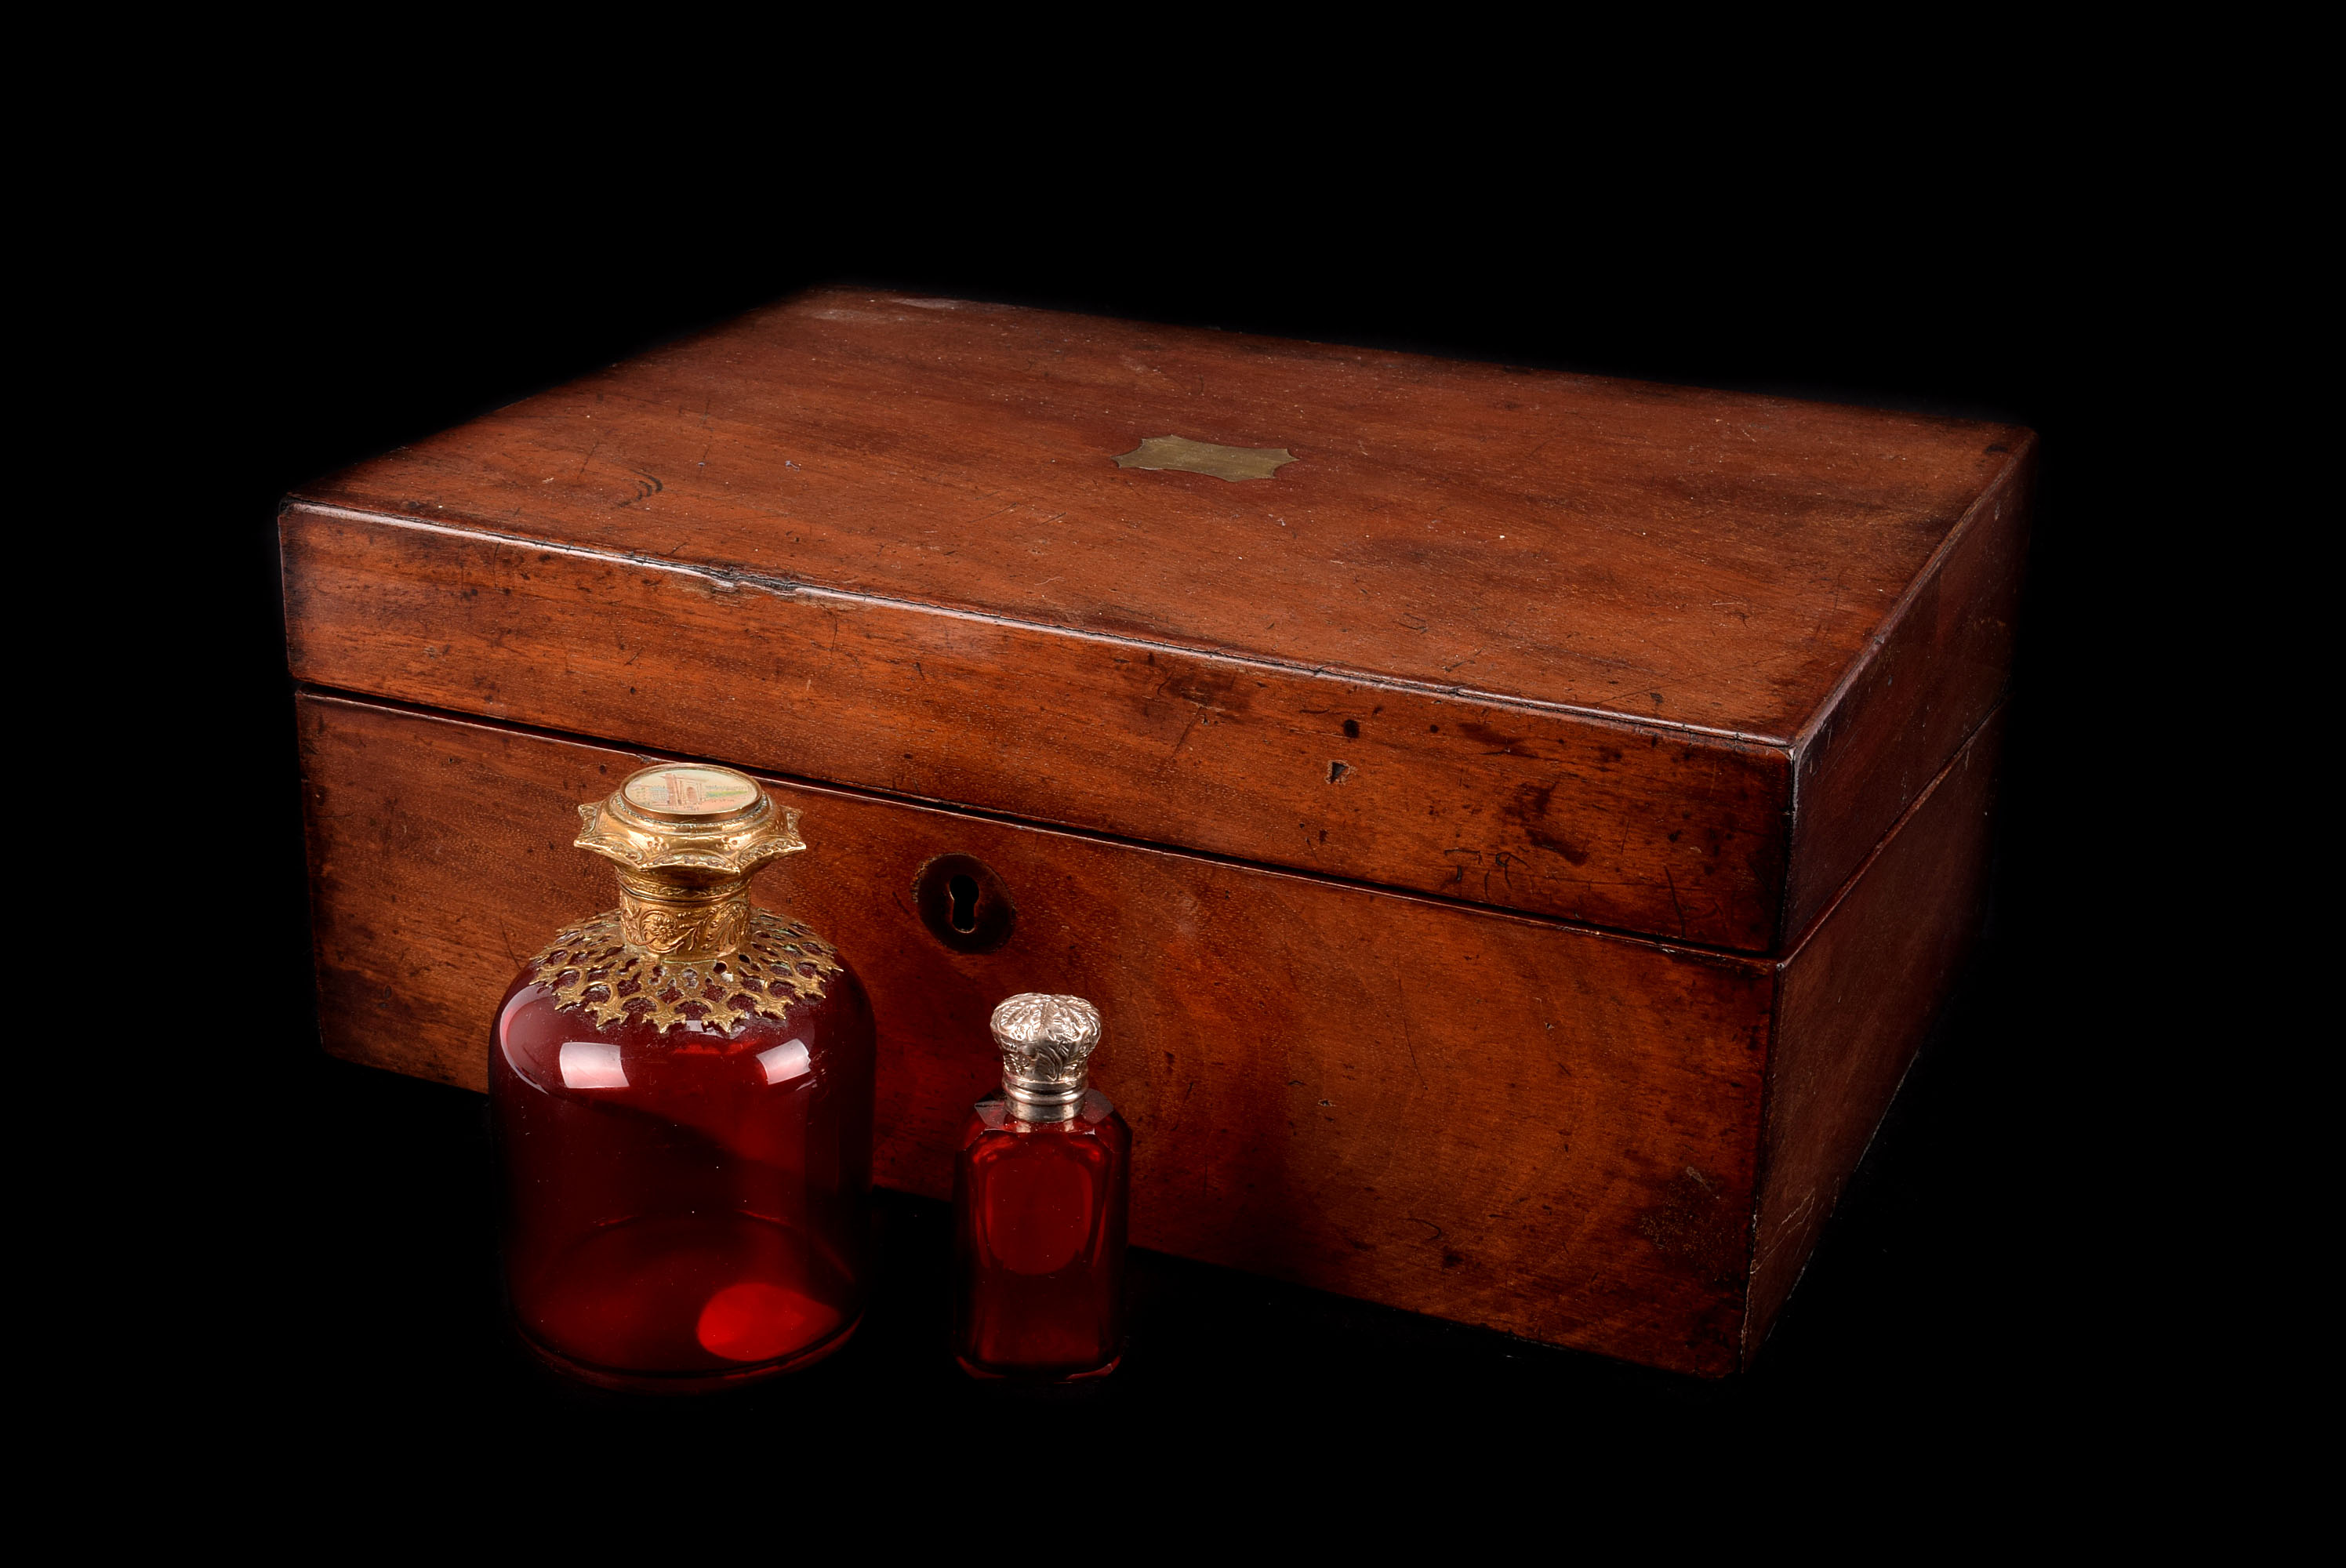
x=963 y=904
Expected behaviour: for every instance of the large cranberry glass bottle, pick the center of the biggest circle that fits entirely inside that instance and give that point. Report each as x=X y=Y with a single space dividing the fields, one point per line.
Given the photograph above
x=1040 y=1189
x=682 y=1095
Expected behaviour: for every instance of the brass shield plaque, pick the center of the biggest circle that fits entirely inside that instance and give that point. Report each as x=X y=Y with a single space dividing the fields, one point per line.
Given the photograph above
x=1230 y=463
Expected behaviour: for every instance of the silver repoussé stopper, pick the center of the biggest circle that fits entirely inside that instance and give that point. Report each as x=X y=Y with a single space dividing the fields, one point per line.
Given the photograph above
x=1044 y=1041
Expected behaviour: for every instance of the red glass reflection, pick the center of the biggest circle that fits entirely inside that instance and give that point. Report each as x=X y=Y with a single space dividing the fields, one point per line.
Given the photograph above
x=1038 y=1241
x=683 y=1209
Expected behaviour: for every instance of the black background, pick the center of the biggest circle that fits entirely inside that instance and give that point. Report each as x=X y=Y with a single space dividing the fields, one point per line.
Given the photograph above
x=369 y=296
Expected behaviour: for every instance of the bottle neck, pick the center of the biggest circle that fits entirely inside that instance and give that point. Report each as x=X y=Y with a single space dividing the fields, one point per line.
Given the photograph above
x=1039 y=1102
x=683 y=918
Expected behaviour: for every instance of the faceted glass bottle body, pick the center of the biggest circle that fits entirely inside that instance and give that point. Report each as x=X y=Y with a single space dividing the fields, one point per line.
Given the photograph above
x=1038 y=1241
x=684 y=1208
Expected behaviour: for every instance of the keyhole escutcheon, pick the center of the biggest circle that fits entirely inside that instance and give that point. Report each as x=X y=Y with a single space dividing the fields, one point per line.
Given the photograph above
x=963 y=904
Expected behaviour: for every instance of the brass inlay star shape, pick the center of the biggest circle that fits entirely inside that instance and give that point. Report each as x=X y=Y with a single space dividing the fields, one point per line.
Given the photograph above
x=591 y=968
x=1187 y=456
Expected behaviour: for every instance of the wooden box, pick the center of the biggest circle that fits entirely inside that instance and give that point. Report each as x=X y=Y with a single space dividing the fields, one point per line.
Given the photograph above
x=1517 y=825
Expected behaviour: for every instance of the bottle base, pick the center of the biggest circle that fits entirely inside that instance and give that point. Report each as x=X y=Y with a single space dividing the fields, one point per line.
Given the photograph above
x=709 y=1382
x=994 y=1375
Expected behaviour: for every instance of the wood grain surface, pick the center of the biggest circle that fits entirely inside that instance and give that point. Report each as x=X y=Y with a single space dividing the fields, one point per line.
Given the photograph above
x=1853 y=1004
x=1556 y=643
x=1941 y=666
x=1496 y=1119
x=1613 y=824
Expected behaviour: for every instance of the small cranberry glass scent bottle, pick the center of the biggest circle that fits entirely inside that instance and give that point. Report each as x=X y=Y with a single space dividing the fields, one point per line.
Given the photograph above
x=1040 y=1189
x=682 y=1090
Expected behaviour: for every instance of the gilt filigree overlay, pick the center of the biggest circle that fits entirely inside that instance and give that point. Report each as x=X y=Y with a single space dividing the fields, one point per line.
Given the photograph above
x=593 y=969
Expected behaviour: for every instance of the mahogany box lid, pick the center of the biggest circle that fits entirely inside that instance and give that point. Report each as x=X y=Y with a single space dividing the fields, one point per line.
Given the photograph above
x=1662 y=660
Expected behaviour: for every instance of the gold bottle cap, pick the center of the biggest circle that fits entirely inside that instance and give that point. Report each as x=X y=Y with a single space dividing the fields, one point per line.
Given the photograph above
x=1045 y=1043
x=689 y=818
x=685 y=947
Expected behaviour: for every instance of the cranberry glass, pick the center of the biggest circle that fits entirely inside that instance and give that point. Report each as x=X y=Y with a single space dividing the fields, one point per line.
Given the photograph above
x=681 y=1090
x=684 y=1207
x=1038 y=1241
